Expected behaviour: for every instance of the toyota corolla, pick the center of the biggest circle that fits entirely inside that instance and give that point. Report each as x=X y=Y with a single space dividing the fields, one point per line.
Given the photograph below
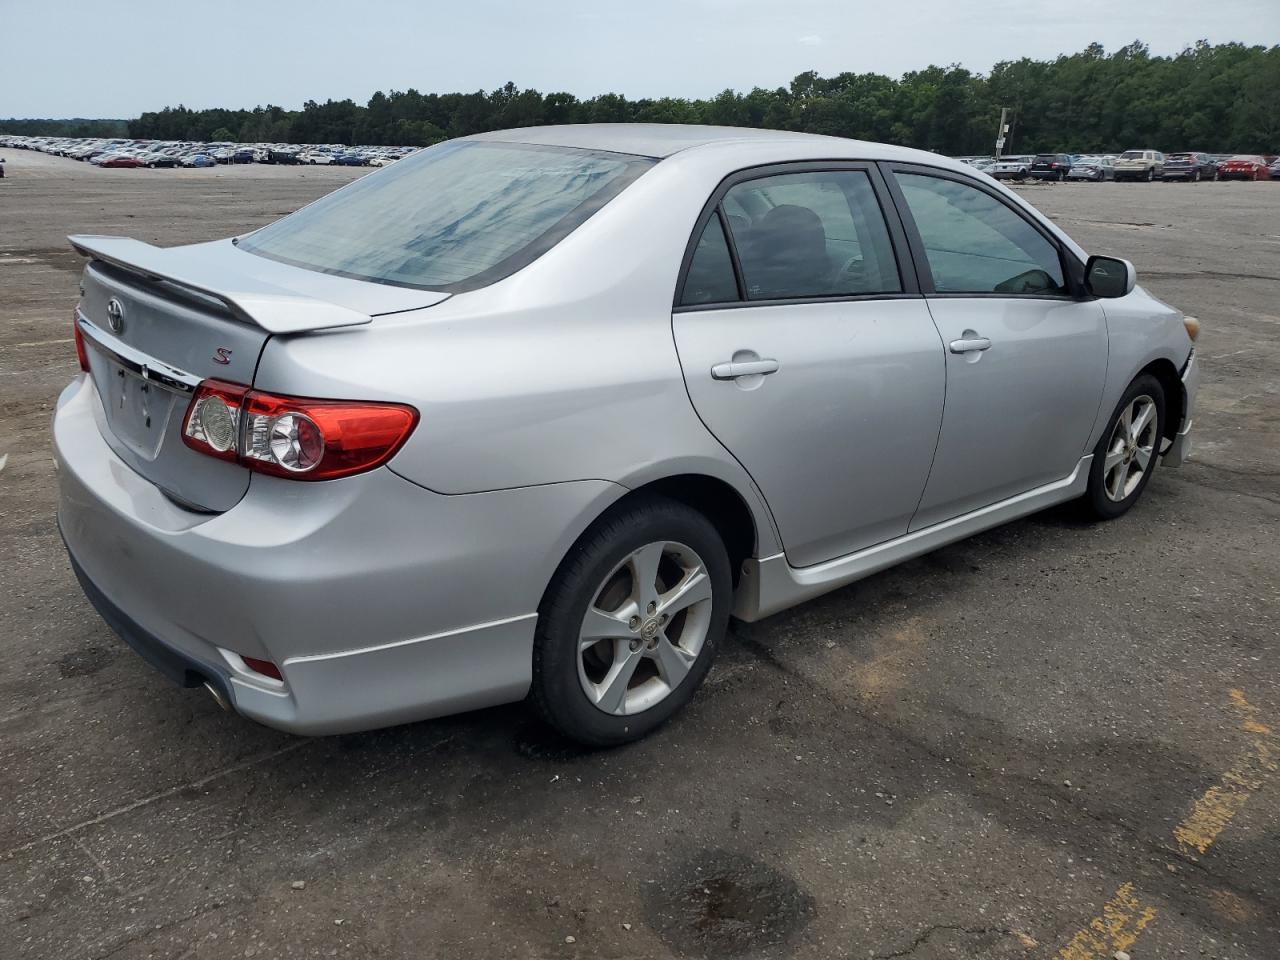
x=534 y=413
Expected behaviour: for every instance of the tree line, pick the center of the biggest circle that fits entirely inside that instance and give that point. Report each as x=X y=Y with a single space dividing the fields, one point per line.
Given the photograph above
x=1217 y=98
x=73 y=127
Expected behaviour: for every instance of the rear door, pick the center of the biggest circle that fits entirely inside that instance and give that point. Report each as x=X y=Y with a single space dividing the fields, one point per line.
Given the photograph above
x=810 y=355
x=1026 y=356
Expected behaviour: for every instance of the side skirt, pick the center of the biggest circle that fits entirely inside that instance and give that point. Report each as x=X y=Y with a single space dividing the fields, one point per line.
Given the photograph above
x=771 y=584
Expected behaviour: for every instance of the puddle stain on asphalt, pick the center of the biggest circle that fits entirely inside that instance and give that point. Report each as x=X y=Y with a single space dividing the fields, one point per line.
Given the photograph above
x=723 y=904
x=1126 y=915
x=84 y=663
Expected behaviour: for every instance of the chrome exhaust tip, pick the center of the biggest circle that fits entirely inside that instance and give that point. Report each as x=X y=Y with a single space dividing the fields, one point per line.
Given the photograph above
x=218 y=698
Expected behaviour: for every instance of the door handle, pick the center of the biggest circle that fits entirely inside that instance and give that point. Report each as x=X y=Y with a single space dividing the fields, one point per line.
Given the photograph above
x=970 y=345
x=743 y=368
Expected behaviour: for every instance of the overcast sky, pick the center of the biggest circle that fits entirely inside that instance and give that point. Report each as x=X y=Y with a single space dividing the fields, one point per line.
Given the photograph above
x=63 y=58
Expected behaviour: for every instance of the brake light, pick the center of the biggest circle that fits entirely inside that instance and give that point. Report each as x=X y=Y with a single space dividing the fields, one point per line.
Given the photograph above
x=81 y=355
x=295 y=437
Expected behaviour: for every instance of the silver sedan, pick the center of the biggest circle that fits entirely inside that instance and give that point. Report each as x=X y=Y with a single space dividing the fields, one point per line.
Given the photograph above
x=534 y=413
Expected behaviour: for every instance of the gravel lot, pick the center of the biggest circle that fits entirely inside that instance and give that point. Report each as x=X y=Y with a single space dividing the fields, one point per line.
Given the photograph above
x=973 y=755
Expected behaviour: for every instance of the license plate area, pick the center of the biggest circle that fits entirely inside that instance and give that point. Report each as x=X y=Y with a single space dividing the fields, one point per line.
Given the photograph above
x=138 y=410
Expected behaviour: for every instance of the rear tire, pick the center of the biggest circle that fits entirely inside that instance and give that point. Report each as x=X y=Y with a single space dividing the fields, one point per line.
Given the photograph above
x=630 y=623
x=1128 y=450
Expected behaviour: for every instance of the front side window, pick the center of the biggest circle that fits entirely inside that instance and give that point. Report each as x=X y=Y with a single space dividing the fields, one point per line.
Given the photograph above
x=453 y=217
x=976 y=244
x=812 y=234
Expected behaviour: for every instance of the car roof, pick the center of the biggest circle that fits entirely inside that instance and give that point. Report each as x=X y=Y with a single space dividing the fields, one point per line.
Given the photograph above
x=659 y=140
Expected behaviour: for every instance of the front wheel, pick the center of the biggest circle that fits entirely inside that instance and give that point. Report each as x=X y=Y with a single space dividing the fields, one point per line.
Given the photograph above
x=1126 y=454
x=1151 y=175
x=630 y=623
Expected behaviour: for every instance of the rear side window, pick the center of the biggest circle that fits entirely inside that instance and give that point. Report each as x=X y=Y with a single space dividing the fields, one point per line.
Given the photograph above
x=710 y=278
x=811 y=234
x=454 y=217
x=976 y=244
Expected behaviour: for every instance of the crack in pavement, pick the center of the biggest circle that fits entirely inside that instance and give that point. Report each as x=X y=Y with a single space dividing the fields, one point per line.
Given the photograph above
x=928 y=932
x=152 y=798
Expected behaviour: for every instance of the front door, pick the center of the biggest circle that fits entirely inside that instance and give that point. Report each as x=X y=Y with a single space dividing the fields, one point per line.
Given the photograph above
x=1026 y=361
x=810 y=358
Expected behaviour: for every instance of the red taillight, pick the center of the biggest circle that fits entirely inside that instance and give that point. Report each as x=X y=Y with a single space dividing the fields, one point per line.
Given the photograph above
x=294 y=437
x=264 y=667
x=80 y=351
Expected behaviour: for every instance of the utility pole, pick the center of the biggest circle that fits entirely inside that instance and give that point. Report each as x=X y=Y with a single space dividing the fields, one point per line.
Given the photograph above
x=1004 y=129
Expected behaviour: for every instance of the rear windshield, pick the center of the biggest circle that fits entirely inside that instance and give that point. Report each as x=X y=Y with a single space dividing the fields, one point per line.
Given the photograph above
x=454 y=217
x=1047 y=158
x=1133 y=155
x=1179 y=156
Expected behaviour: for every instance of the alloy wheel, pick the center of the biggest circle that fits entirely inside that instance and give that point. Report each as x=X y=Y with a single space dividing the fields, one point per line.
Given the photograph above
x=644 y=628
x=1130 y=449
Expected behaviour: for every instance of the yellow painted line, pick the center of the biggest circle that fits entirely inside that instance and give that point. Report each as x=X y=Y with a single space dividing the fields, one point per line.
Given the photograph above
x=1125 y=915
x=1220 y=803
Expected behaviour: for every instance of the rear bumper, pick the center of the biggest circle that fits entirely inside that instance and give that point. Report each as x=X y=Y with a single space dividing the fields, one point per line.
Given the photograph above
x=1180 y=448
x=180 y=667
x=380 y=601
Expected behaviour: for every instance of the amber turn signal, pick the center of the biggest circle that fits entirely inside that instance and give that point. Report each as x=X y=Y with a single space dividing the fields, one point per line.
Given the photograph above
x=1193 y=327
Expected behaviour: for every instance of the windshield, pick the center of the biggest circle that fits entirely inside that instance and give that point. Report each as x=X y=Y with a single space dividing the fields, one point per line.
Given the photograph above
x=454 y=217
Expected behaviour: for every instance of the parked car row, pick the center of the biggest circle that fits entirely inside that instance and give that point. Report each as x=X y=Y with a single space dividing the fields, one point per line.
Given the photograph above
x=124 y=152
x=1142 y=165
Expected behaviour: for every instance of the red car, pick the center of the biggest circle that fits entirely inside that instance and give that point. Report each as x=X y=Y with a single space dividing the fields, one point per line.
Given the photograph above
x=1244 y=167
x=121 y=161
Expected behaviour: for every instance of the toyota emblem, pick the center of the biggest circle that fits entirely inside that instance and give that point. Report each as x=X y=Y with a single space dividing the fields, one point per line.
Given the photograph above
x=115 y=315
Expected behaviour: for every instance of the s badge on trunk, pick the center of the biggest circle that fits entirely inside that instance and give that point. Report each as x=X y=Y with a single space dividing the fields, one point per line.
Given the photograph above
x=115 y=315
x=222 y=355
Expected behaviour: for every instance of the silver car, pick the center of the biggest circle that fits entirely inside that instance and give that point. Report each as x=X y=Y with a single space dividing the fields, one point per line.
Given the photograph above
x=535 y=412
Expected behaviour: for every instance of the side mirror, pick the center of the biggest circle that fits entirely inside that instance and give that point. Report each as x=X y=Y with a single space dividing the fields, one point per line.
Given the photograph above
x=1110 y=277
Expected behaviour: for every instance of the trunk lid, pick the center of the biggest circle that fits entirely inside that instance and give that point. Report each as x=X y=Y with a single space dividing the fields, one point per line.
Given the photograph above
x=157 y=321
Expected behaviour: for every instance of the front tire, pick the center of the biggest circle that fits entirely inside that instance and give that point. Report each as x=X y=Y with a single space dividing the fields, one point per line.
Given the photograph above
x=1128 y=450
x=630 y=623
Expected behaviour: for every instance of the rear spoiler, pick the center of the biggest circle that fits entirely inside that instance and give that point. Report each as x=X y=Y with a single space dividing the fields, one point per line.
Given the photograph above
x=254 y=301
